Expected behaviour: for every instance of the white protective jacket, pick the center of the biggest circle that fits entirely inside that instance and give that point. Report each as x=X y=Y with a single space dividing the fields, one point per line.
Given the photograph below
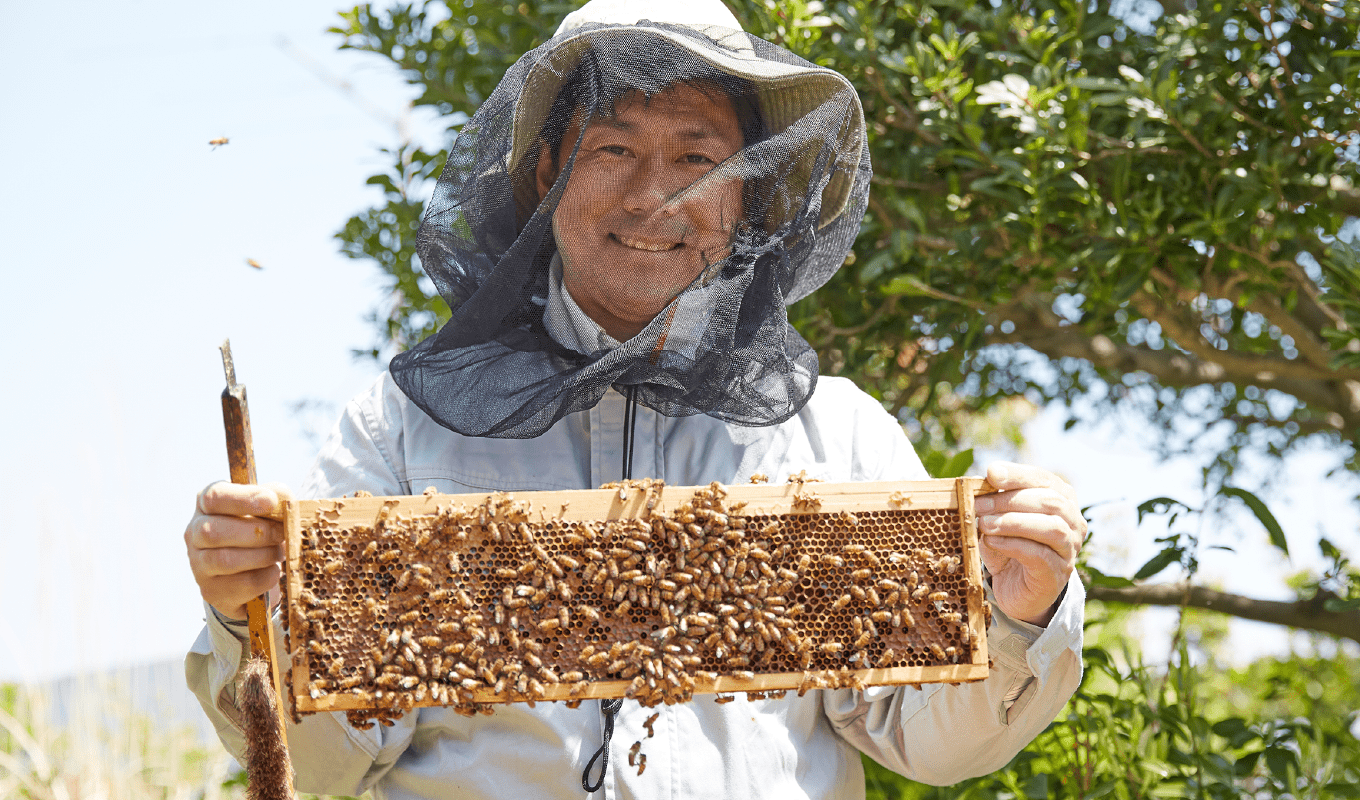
x=795 y=747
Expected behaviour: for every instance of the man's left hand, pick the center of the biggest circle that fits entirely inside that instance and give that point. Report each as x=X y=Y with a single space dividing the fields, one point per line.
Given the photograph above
x=1032 y=530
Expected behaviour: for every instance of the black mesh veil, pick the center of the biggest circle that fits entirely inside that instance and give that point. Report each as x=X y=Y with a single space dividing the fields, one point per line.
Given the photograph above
x=502 y=366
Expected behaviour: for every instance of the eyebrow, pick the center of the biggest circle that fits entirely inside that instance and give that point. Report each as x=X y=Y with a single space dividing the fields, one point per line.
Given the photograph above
x=692 y=131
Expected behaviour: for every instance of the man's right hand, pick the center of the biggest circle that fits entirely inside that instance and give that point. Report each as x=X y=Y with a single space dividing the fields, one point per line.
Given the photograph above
x=234 y=551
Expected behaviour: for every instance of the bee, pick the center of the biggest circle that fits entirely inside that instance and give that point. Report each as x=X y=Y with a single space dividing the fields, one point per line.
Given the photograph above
x=832 y=647
x=937 y=651
x=724 y=698
x=403 y=581
x=552 y=623
x=863 y=641
x=370 y=550
x=861 y=574
x=388 y=556
x=409 y=616
x=887 y=657
x=841 y=602
x=647 y=723
x=920 y=592
x=563 y=617
x=333 y=566
x=505 y=573
x=938 y=597
x=952 y=617
x=632 y=753
x=833 y=560
x=859 y=594
x=218 y=142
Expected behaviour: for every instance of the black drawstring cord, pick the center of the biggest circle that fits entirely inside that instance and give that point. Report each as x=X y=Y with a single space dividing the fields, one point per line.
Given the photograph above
x=611 y=707
x=629 y=423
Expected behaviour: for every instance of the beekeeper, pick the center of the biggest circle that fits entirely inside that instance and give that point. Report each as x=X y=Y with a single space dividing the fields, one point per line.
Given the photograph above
x=618 y=231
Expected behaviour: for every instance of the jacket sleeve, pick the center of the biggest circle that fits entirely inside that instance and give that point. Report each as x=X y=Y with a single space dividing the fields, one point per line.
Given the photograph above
x=329 y=756
x=941 y=734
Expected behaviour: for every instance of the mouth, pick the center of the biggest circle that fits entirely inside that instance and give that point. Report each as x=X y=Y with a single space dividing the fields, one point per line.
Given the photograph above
x=639 y=244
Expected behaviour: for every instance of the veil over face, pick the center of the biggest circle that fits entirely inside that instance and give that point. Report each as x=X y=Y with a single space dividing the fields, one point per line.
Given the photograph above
x=685 y=183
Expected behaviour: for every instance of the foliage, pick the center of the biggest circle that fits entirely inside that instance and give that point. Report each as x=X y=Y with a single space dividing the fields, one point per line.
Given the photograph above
x=1070 y=209
x=1135 y=731
x=103 y=748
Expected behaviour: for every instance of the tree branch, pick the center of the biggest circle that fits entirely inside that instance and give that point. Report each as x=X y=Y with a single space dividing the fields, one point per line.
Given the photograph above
x=1258 y=369
x=1309 y=615
x=1169 y=366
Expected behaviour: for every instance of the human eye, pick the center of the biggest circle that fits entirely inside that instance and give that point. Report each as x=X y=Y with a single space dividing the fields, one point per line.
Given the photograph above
x=699 y=159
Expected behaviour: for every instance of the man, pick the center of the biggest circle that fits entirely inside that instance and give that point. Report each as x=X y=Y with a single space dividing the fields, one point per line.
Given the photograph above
x=618 y=231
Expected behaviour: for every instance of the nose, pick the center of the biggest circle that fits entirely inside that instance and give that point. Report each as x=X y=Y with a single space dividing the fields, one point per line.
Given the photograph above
x=649 y=187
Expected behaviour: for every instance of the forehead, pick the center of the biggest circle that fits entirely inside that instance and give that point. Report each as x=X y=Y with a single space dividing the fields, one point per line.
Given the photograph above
x=685 y=110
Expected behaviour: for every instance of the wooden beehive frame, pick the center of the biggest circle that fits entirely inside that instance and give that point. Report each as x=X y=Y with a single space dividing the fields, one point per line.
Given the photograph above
x=339 y=589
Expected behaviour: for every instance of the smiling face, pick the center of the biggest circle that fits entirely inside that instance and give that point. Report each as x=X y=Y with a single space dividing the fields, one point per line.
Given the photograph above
x=630 y=237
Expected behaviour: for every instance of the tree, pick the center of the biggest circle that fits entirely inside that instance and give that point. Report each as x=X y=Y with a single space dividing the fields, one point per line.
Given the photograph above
x=1064 y=208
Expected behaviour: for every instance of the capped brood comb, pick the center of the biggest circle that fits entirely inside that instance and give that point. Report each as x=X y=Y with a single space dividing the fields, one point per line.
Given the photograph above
x=641 y=590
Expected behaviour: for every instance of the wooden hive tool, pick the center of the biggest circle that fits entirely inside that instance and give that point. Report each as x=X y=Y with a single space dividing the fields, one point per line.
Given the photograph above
x=268 y=767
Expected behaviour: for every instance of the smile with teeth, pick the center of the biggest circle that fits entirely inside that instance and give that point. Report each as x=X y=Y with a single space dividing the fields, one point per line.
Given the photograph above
x=637 y=244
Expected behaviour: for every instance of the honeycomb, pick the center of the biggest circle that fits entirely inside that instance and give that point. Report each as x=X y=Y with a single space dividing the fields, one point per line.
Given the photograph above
x=639 y=590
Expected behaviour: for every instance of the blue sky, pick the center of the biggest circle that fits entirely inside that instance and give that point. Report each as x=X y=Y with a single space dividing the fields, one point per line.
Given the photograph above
x=126 y=239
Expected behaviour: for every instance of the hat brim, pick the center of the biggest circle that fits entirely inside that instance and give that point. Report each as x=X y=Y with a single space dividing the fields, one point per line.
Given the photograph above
x=786 y=93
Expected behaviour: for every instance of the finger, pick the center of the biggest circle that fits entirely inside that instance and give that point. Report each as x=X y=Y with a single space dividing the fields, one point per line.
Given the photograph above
x=1043 y=529
x=206 y=533
x=229 y=595
x=239 y=500
x=1006 y=475
x=232 y=561
x=1043 y=568
x=1034 y=501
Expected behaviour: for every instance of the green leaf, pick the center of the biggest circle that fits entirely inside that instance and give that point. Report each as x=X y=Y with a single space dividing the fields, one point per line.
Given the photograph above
x=1262 y=513
x=1159 y=562
x=1099 y=578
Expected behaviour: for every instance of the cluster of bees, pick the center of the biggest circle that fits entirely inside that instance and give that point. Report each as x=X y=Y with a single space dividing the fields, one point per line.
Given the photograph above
x=497 y=603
